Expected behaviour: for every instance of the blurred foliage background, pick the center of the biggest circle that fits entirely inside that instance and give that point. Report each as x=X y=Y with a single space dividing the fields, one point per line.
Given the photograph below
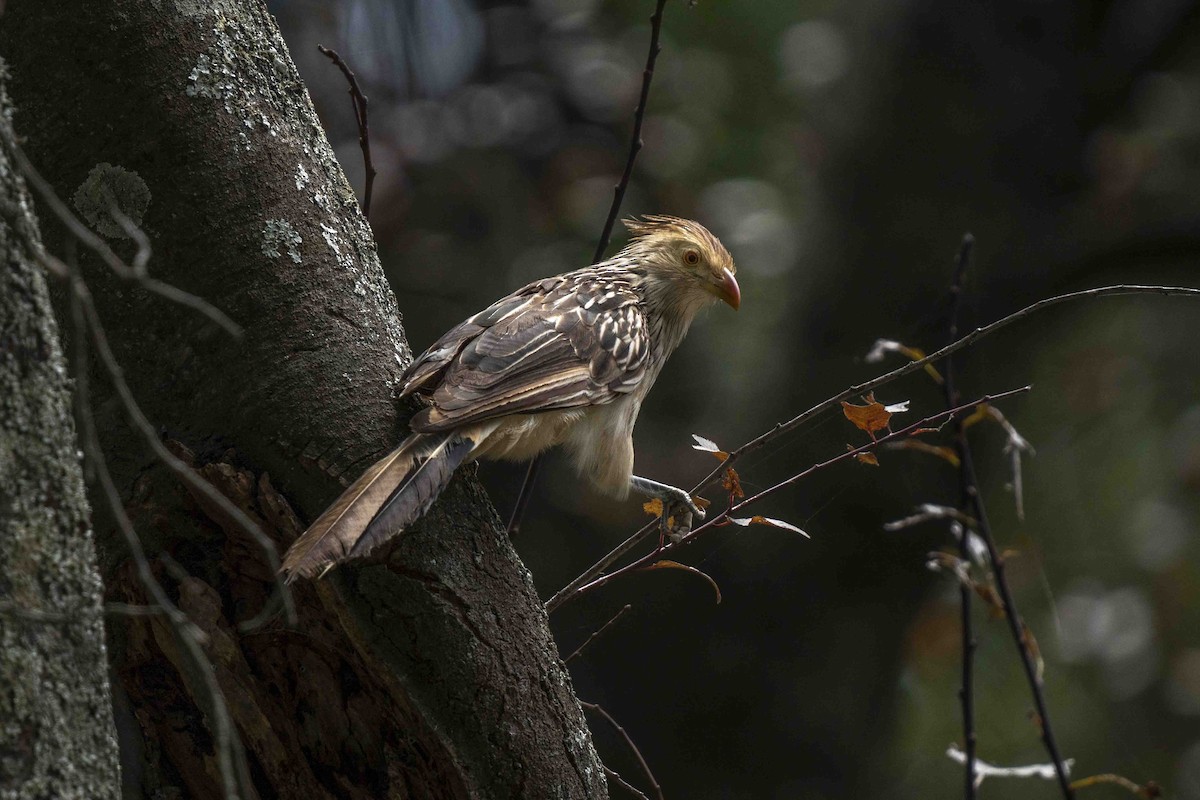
x=841 y=150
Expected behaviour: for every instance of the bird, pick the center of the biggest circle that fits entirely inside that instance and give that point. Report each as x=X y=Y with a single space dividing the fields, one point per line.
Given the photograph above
x=566 y=360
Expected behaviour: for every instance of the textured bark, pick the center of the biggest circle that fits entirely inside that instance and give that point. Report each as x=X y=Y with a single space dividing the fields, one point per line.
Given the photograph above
x=429 y=673
x=56 y=728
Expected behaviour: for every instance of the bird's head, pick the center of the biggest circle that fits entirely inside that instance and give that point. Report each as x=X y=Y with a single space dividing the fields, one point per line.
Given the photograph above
x=686 y=257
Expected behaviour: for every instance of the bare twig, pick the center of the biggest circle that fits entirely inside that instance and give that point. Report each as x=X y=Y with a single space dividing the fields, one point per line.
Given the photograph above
x=966 y=692
x=359 y=101
x=596 y=709
x=518 y=512
x=635 y=144
x=572 y=591
x=971 y=500
x=231 y=760
x=26 y=614
x=184 y=472
x=635 y=147
x=93 y=326
x=1147 y=790
x=1015 y=624
x=615 y=776
x=597 y=634
x=785 y=427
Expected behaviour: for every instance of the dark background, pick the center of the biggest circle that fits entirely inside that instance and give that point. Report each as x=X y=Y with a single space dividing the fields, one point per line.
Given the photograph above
x=840 y=150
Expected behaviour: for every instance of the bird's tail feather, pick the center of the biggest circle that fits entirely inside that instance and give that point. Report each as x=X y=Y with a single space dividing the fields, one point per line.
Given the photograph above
x=416 y=493
x=388 y=497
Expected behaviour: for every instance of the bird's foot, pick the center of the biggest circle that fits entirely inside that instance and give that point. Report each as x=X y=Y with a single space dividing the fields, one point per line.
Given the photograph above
x=676 y=498
x=679 y=509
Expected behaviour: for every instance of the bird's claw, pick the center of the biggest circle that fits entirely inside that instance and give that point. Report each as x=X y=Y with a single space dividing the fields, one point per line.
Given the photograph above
x=678 y=512
x=676 y=525
x=678 y=497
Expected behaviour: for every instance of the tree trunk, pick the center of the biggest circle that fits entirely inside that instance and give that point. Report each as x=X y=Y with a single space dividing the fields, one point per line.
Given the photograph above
x=429 y=672
x=56 y=725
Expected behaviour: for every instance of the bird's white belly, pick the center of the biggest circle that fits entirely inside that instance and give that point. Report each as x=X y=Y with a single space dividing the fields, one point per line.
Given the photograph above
x=520 y=437
x=599 y=439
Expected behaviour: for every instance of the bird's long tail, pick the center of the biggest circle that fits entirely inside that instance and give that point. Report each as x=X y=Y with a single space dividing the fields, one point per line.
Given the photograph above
x=389 y=497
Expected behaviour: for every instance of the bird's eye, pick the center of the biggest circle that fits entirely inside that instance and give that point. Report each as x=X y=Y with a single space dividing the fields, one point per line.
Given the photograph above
x=691 y=258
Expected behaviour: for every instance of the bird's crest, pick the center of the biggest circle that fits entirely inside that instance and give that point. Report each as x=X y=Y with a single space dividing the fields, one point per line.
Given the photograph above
x=661 y=226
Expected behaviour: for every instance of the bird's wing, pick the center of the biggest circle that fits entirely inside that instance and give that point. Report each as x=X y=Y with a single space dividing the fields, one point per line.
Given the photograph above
x=576 y=340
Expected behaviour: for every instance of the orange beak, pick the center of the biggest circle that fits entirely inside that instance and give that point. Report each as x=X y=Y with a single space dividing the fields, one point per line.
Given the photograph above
x=728 y=290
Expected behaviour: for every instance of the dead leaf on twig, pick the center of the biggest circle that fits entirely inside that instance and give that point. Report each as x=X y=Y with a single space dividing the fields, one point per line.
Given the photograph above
x=667 y=564
x=709 y=446
x=769 y=521
x=874 y=416
x=653 y=507
x=733 y=485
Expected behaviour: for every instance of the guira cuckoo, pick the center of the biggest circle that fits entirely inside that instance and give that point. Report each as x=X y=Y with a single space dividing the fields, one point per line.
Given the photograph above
x=565 y=361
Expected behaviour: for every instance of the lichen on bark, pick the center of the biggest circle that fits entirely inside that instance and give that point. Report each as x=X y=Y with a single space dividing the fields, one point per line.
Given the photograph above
x=56 y=728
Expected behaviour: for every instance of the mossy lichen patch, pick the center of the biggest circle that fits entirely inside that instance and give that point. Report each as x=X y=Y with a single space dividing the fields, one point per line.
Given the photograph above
x=107 y=187
x=279 y=237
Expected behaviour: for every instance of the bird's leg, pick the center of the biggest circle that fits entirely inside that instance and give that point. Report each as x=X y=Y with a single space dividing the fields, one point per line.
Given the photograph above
x=673 y=499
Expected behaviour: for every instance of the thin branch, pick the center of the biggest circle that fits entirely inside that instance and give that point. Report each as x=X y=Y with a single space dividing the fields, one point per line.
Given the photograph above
x=231 y=761
x=966 y=692
x=971 y=498
x=966 y=341
x=596 y=709
x=1148 y=790
x=181 y=470
x=135 y=274
x=785 y=427
x=635 y=147
x=597 y=634
x=16 y=611
x=615 y=776
x=518 y=512
x=359 y=100
x=572 y=591
x=635 y=143
x=1015 y=624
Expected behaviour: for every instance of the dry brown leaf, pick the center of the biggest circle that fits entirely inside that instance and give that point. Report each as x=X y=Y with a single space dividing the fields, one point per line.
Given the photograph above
x=700 y=501
x=666 y=564
x=732 y=484
x=867 y=458
x=872 y=417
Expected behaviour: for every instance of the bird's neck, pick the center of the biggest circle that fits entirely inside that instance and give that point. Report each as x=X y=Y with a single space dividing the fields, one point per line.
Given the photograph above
x=672 y=308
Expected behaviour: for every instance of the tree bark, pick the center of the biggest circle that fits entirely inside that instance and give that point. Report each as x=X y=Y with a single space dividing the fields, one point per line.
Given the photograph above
x=56 y=726
x=429 y=672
